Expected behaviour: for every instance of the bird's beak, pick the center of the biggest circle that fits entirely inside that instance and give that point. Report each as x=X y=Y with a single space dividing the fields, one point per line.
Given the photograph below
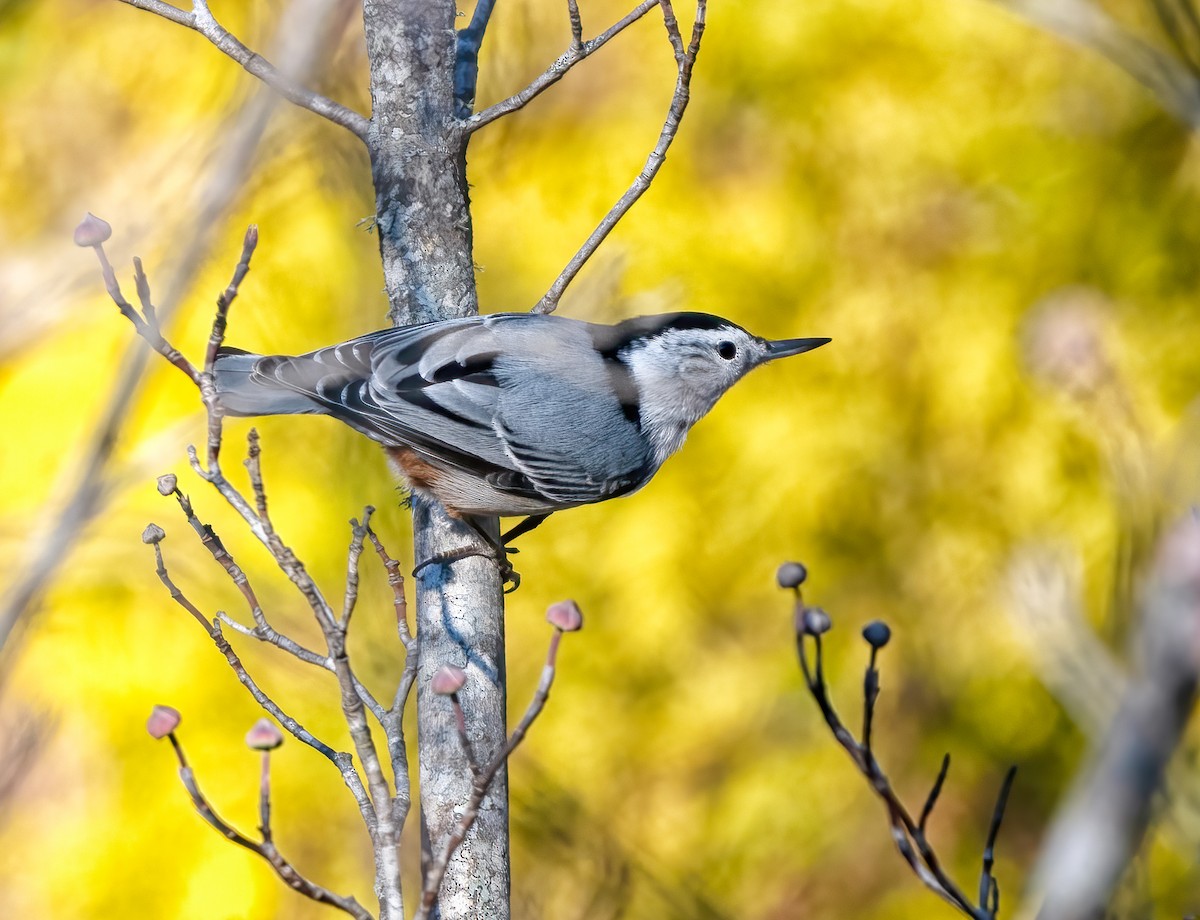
x=785 y=348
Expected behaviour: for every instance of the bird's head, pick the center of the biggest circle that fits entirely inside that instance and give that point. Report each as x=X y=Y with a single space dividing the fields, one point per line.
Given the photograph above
x=695 y=357
x=684 y=362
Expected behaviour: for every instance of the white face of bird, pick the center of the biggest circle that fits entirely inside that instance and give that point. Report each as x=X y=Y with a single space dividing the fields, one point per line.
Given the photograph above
x=682 y=372
x=696 y=366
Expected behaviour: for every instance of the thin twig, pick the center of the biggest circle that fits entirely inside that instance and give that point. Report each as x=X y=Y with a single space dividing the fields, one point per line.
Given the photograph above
x=358 y=534
x=460 y=724
x=208 y=387
x=394 y=724
x=674 y=36
x=907 y=834
x=483 y=777
x=989 y=891
x=654 y=162
x=262 y=630
x=266 y=849
x=202 y=20
x=556 y=71
x=576 y=24
x=934 y=793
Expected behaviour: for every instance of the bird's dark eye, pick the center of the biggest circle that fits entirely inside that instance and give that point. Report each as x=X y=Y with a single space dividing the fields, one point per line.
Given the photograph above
x=727 y=350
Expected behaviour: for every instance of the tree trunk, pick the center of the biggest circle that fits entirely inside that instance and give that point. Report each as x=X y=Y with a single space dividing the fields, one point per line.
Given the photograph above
x=424 y=225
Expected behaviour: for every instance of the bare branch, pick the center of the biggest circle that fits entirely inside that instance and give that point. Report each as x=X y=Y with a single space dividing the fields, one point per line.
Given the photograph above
x=907 y=834
x=654 y=162
x=483 y=777
x=202 y=20
x=1099 y=829
x=266 y=849
x=556 y=71
x=576 y=24
x=358 y=535
x=674 y=36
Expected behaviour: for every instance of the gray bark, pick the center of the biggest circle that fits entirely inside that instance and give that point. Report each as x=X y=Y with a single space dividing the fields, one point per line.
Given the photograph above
x=458 y=628
x=418 y=159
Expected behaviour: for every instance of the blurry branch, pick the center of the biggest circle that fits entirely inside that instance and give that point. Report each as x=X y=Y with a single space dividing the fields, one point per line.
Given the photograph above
x=1101 y=827
x=909 y=835
x=299 y=35
x=24 y=735
x=263 y=737
x=564 y=617
x=1174 y=80
x=201 y=20
x=1075 y=665
x=685 y=61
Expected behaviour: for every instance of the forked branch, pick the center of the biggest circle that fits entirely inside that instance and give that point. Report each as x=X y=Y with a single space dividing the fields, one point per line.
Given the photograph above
x=909 y=835
x=374 y=796
x=163 y=722
x=685 y=60
x=564 y=617
x=577 y=52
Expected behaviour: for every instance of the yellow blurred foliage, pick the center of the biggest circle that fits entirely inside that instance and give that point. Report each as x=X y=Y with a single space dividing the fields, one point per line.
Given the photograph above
x=910 y=178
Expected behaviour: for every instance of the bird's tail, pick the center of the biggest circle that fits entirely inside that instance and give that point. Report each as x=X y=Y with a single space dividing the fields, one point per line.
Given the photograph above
x=244 y=389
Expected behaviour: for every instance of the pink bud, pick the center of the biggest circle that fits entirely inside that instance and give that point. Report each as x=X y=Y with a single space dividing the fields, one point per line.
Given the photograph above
x=448 y=679
x=92 y=231
x=251 y=239
x=163 y=720
x=264 y=736
x=565 y=615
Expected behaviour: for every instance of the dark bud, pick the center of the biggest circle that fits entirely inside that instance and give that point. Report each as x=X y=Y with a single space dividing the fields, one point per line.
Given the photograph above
x=92 y=231
x=163 y=720
x=791 y=575
x=167 y=484
x=264 y=736
x=153 y=534
x=815 y=621
x=251 y=239
x=877 y=633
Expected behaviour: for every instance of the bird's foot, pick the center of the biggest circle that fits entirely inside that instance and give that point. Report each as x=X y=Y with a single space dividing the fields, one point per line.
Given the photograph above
x=510 y=578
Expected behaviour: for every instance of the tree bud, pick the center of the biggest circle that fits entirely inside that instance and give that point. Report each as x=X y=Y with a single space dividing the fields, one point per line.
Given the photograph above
x=565 y=615
x=264 y=736
x=815 y=621
x=791 y=575
x=877 y=633
x=447 y=680
x=92 y=231
x=163 y=720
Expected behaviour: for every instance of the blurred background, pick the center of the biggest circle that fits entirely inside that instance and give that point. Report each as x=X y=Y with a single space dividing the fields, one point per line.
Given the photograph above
x=999 y=231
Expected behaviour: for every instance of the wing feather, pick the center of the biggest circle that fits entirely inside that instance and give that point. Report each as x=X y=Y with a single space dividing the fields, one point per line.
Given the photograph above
x=484 y=395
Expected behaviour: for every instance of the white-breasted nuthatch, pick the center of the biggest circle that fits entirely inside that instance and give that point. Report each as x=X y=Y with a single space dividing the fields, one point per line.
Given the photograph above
x=514 y=413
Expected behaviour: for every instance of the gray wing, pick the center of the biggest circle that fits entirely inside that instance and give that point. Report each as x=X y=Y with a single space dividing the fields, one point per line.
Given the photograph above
x=504 y=397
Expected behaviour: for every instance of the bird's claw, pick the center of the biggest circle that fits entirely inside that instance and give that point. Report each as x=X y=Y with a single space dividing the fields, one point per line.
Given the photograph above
x=510 y=578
